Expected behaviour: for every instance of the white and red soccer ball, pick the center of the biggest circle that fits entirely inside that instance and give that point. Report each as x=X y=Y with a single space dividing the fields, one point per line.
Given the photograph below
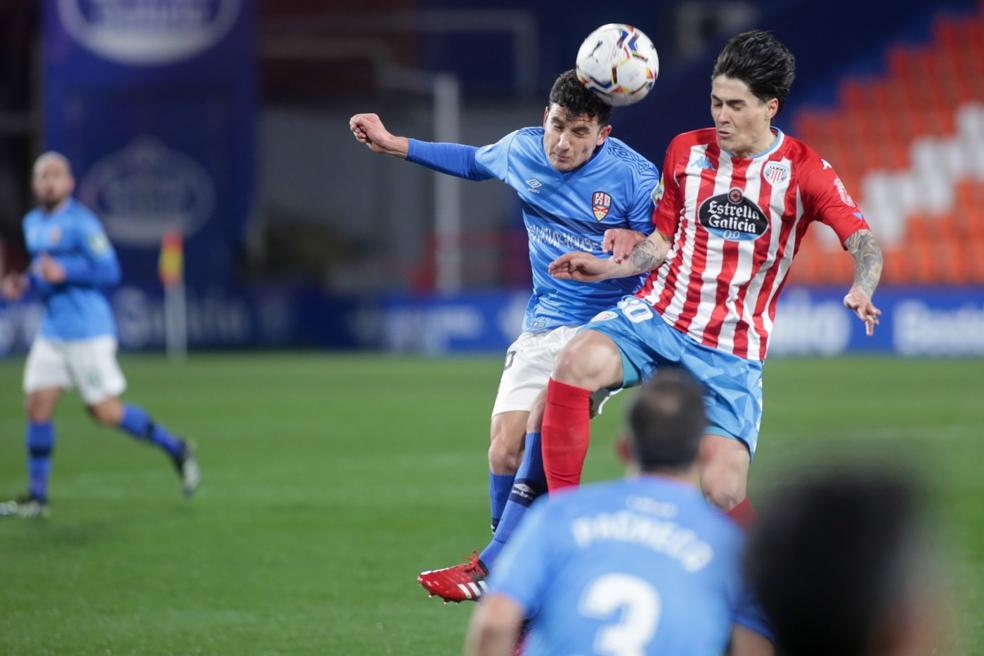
x=618 y=63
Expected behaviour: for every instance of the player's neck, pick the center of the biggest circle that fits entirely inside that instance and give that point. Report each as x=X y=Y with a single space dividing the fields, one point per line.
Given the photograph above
x=55 y=208
x=762 y=143
x=689 y=476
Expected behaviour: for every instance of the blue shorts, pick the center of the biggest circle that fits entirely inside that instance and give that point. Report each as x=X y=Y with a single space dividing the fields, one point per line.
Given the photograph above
x=732 y=385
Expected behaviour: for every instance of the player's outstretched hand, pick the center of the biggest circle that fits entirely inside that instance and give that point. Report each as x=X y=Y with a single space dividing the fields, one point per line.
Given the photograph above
x=13 y=286
x=620 y=242
x=583 y=267
x=858 y=302
x=369 y=130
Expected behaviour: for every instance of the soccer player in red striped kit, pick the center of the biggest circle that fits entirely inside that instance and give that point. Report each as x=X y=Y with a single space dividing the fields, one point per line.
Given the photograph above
x=736 y=201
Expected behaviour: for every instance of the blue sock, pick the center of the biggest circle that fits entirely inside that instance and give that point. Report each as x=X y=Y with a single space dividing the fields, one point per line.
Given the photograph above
x=40 y=439
x=499 y=487
x=531 y=482
x=138 y=423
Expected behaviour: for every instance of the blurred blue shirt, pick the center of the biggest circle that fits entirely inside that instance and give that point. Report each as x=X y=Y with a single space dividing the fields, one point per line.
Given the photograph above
x=636 y=566
x=72 y=236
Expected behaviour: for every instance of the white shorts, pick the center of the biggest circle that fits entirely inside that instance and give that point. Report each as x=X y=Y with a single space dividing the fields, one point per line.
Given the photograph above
x=529 y=365
x=89 y=364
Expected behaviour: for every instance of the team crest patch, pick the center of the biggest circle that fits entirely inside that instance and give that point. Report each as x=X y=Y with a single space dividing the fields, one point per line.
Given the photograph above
x=776 y=172
x=600 y=204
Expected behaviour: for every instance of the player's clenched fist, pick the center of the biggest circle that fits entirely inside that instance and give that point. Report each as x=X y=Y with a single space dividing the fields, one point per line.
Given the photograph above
x=368 y=129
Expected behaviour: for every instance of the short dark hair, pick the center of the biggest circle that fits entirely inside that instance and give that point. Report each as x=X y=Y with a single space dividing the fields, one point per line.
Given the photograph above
x=761 y=61
x=568 y=92
x=666 y=421
x=830 y=556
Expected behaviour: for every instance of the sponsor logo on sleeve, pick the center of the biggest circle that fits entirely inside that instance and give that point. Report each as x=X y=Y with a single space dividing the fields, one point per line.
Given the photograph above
x=99 y=244
x=600 y=204
x=842 y=190
x=732 y=216
x=658 y=191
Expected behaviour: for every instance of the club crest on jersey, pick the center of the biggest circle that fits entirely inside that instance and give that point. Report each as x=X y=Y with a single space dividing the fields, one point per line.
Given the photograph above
x=776 y=172
x=733 y=217
x=600 y=204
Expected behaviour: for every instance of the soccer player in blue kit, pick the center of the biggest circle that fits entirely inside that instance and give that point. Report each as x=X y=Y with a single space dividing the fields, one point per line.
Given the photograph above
x=642 y=565
x=71 y=260
x=579 y=188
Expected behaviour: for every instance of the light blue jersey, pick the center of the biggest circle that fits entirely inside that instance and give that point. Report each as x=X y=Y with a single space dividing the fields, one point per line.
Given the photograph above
x=73 y=236
x=636 y=566
x=570 y=211
x=563 y=211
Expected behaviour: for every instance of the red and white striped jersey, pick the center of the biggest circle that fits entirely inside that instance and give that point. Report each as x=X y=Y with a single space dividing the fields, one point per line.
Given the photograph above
x=735 y=224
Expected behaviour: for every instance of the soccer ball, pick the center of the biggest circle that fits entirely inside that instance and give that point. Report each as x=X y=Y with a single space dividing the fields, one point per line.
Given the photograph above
x=618 y=63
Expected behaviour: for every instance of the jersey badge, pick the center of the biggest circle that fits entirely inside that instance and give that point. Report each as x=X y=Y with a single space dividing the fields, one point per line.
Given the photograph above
x=776 y=172
x=533 y=185
x=600 y=204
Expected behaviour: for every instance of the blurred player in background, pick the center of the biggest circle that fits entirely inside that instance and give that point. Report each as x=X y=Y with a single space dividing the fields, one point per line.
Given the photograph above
x=643 y=565
x=841 y=566
x=71 y=260
x=735 y=201
x=580 y=189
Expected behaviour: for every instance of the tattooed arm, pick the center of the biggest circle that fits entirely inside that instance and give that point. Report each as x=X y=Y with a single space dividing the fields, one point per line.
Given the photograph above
x=646 y=256
x=868 y=263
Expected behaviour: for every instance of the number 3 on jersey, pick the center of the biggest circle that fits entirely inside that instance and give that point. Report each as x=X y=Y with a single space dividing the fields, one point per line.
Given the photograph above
x=641 y=609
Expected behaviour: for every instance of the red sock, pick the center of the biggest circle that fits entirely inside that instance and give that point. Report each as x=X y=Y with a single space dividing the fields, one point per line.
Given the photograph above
x=565 y=434
x=743 y=514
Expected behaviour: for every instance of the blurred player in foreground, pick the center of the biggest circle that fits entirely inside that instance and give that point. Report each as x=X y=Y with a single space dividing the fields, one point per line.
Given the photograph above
x=643 y=565
x=841 y=566
x=736 y=201
x=71 y=259
x=579 y=188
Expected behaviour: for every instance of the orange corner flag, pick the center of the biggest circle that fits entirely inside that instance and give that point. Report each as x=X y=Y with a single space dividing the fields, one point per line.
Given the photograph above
x=171 y=263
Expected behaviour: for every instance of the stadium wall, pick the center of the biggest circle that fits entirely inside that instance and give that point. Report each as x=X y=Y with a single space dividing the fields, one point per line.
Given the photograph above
x=916 y=322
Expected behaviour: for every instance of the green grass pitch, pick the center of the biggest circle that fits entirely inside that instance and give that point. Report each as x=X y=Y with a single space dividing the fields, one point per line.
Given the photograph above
x=330 y=481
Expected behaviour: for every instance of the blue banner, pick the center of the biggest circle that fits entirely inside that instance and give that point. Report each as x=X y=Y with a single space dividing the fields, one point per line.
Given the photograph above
x=928 y=322
x=152 y=102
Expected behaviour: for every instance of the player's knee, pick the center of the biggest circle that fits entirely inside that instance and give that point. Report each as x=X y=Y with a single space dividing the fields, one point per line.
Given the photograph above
x=723 y=491
x=107 y=414
x=582 y=363
x=38 y=408
x=503 y=457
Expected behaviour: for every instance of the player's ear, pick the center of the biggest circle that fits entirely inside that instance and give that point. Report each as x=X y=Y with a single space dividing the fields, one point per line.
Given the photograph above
x=603 y=134
x=546 y=113
x=772 y=108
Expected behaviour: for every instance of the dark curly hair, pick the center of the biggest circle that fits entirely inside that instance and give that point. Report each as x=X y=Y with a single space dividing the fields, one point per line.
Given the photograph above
x=761 y=61
x=574 y=97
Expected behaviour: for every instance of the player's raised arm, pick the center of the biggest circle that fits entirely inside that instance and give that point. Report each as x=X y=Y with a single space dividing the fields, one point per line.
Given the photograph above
x=369 y=130
x=868 y=263
x=585 y=267
x=454 y=159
